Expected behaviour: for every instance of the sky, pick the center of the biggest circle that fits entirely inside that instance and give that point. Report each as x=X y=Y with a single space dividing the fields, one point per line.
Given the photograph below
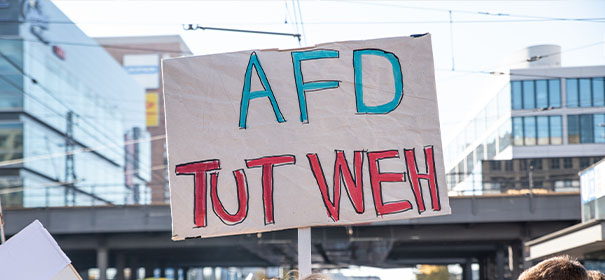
x=478 y=37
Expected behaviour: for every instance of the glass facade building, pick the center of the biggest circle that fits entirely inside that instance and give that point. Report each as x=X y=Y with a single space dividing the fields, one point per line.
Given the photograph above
x=66 y=110
x=545 y=112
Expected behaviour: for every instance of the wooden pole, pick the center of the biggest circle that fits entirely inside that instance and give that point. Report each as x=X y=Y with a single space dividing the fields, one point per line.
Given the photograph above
x=2 y=237
x=304 y=252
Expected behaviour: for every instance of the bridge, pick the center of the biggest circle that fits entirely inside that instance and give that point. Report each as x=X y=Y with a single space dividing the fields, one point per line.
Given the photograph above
x=488 y=230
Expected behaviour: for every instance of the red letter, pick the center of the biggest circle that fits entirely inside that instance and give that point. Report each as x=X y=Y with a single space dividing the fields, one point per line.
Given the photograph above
x=268 y=163
x=431 y=177
x=199 y=169
x=376 y=179
x=242 y=199
x=354 y=187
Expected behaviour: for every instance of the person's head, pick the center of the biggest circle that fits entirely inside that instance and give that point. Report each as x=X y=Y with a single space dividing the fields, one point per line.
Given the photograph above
x=595 y=275
x=556 y=268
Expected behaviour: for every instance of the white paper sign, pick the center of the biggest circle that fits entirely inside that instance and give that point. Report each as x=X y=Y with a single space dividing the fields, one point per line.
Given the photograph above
x=32 y=254
x=341 y=133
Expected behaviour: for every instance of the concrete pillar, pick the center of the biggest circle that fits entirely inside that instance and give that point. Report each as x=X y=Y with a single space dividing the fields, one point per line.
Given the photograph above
x=467 y=271
x=482 y=269
x=120 y=265
x=500 y=263
x=518 y=259
x=102 y=262
x=149 y=271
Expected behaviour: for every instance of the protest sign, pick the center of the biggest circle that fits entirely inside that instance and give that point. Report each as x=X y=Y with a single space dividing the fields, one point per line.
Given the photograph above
x=34 y=254
x=336 y=134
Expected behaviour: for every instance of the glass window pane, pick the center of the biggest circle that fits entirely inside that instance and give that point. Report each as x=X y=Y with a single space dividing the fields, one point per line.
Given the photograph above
x=504 y=101
x=461 y=171
x=598 y=92
x=469 y=134
x=599 y=128
x=504 y=136
x=556 y=130
x=573 y=129
x=529 y=130
x=518 y=131
x=541 y=94
x=571 y=87
x=543 y=129
x=585 y=93
x=586 y=129
x=479 y=154
x=469 y=163
x=491 y=147
x=480 y=123
x=554 y=93
x=529 y=99
x=517 y=100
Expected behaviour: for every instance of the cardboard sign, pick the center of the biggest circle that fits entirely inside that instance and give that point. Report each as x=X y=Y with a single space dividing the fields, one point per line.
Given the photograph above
x=341 y=133
x=34 y=254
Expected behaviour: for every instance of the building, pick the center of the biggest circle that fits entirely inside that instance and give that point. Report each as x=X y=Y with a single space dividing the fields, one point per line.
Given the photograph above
x=586 y=240
x=543 y=117
x=72 y=120
x=141 y=57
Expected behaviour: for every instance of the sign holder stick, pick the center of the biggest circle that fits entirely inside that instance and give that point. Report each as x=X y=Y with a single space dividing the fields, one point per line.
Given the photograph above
x=304 y=252
x=2 y=238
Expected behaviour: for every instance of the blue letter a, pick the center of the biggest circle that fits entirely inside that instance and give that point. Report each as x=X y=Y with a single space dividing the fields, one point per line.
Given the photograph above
x=266 y=92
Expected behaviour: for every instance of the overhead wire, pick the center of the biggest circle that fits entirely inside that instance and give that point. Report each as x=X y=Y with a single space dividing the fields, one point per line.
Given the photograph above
x=484 y=13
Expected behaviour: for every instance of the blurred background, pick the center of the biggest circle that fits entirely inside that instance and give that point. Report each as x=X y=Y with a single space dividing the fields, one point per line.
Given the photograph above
x=521 y=90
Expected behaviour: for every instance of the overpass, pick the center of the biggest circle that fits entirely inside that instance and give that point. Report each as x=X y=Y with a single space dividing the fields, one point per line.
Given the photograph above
x=488 y=230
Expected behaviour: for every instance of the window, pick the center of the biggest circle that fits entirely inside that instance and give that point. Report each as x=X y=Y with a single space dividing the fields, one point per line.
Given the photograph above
x=461 y=172
x=540 y=130
x=598 y=92
x=518 y=131
x=479 y=154
x=470 y=163
x=495 y=165
x=568 y=163
x=529 y=100
x=586 y=129
x=585 y=92
x=554 y=93
x=508 y=165
x=491 y=147
x=599 y=128
x=571 y=87
x=543 y=130
x=556 y=130
x=584 y=162
x=555 y=163
x=516 y=95
x=536 y=163
x=523 y=164
x=504 y=136
x=573 y=129
x=542 y=94
x=529 y=131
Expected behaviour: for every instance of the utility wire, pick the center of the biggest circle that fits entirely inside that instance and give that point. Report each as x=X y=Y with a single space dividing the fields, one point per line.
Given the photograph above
x=600 y=20
x=189 y=27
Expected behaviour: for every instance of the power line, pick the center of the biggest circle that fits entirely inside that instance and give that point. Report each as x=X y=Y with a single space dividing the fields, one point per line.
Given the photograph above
x=484 y=13
x=189 y=27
